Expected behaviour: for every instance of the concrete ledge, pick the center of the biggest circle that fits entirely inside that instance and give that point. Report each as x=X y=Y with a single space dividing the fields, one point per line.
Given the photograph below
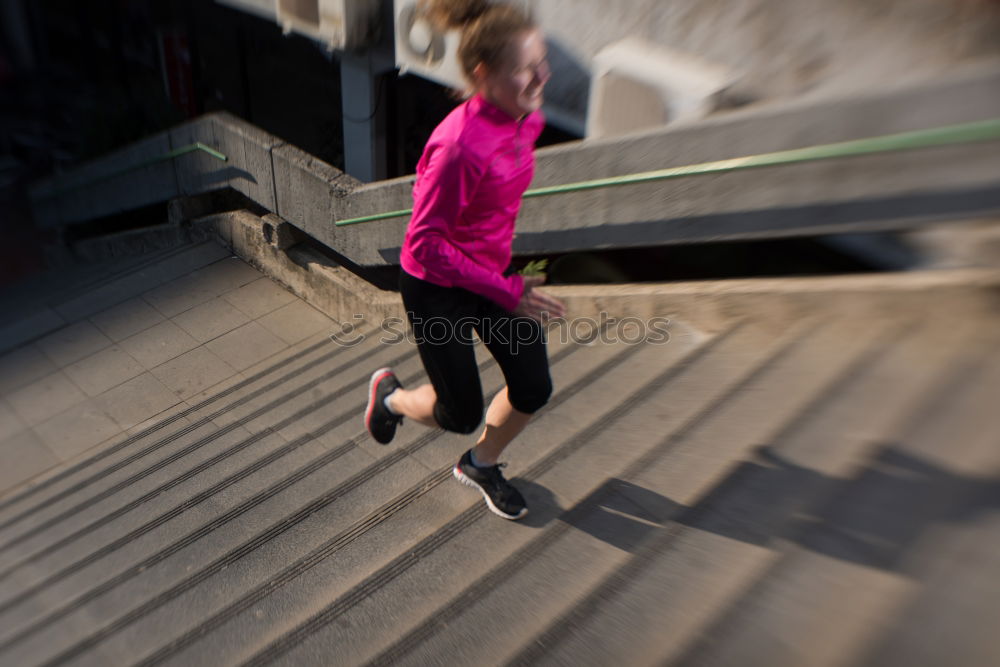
x=772 y=303
x=330 y=288
x=775 y=303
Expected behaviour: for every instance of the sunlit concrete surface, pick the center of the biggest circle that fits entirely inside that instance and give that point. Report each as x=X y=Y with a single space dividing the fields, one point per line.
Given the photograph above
x=746 y=472
x=130 y=348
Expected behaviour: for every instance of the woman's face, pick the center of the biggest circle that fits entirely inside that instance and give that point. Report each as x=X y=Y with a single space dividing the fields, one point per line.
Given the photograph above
x=516 y=84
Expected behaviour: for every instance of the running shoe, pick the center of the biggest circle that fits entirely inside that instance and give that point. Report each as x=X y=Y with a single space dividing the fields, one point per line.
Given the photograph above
x=502 y=498
x=379 y=420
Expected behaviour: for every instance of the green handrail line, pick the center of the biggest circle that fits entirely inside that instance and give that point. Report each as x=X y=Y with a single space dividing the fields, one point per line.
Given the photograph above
x=987 y=130
x=177 y=152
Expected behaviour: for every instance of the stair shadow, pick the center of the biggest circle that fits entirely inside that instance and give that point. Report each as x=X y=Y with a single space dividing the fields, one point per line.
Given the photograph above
x=617 y=512
x=542 y=504
x=871 y=518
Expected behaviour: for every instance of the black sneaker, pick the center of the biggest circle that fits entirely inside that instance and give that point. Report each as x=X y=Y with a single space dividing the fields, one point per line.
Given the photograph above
x=502 y=498
x=379 y=421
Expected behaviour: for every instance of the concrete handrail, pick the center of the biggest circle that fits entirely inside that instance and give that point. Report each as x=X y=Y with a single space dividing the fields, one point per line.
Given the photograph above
x=873 y=193
x=988 y=130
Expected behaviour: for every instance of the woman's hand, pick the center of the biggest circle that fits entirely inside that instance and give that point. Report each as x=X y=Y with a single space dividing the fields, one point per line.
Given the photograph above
x=536 y=304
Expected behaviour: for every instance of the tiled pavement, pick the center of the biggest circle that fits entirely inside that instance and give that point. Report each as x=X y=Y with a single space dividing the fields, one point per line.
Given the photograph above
x=153 y=342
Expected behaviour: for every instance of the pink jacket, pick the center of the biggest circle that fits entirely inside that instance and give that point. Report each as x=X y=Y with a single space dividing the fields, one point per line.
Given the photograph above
x=470 y=179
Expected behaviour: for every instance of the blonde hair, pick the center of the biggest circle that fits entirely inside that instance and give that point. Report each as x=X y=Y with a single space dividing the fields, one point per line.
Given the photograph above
x=488 y=29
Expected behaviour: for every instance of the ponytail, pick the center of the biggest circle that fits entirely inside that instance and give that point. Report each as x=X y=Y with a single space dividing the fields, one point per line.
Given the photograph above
x=449 y=14
x=487 y=28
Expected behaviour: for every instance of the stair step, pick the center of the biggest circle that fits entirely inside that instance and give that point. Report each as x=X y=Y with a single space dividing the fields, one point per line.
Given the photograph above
x=697 y=564
x=607 y=526
x=114 y=551
x=952 y=618
x=375 y=537
x=435 y=568
x=375 y=484
x=166 y=461
x=838 y=584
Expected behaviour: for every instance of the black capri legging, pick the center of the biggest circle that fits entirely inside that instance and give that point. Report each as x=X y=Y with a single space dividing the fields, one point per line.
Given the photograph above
x=443 y=321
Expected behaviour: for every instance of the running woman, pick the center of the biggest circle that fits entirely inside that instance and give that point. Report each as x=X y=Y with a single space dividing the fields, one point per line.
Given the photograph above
x=474 y=169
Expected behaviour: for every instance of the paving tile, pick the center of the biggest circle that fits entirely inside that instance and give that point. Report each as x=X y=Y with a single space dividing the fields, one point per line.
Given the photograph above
x=77 y=429
x=159 y=344
x=135 y=282
x=25 y=456
x=269 y=364
x=10 y=423
x=196 y=399
x=94 y=302
x=226 y=275
x=200 y=286
x=259 y=297
x=183 y=263
x=23 y=366
x=73 y=343
x=211 y=320
x=127 y=319
x=179 y=295
x=193 y=372
x=45 y=398
x=21 y=329
x=136 y=400
x=296 y=321
x=103 y=370
x=246 y=346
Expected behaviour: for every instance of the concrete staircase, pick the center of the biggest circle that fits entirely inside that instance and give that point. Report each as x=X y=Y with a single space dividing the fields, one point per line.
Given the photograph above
x=818 y=489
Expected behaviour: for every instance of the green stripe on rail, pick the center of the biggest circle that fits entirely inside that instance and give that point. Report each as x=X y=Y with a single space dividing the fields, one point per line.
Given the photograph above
x=965 y=133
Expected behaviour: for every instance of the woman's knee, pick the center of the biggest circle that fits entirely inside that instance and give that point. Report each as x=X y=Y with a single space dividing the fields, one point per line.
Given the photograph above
x=531 y=399
x=463 y=419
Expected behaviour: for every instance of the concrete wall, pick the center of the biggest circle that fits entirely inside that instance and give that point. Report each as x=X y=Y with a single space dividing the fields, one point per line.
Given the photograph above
x=775 y=49
x=879 y=192
x=778 y=49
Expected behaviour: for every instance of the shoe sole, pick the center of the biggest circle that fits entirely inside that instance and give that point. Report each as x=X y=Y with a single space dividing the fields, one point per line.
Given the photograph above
x=461 y=476
x=372 y=384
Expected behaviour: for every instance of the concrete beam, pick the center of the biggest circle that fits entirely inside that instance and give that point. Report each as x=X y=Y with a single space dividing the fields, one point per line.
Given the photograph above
x=251 y=169
x=305 y=190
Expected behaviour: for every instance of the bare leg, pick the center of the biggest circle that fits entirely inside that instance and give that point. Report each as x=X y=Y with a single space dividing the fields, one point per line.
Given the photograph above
x=503 y=423
x=417 y=404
